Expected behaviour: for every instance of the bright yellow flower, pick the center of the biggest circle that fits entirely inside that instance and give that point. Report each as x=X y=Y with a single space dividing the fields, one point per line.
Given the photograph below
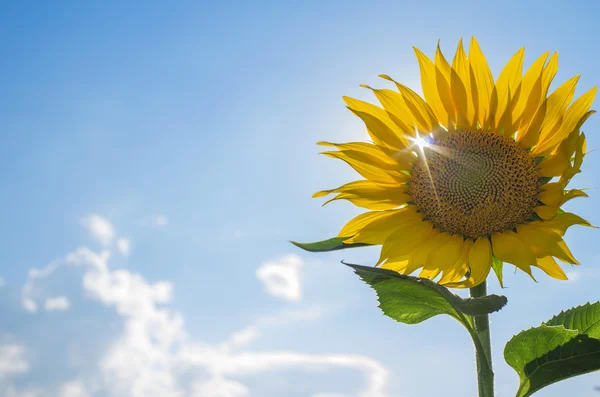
x=475 y=171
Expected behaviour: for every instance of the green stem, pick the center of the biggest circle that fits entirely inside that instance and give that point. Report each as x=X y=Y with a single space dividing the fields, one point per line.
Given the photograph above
x=483 y=347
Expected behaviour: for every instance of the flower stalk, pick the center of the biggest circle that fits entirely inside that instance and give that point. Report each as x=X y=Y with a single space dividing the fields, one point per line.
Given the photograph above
x=483 y=347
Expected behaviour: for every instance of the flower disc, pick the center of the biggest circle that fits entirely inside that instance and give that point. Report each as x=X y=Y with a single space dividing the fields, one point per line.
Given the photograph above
x=475 y=183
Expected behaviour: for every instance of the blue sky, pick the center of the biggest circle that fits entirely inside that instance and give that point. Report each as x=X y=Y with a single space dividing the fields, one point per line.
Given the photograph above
x=156 y=158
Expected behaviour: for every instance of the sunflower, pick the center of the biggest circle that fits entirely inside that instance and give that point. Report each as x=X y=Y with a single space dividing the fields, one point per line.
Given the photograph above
x=470 y=176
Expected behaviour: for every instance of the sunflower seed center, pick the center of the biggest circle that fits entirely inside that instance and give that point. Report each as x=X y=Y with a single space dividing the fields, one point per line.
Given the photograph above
x=475 y=183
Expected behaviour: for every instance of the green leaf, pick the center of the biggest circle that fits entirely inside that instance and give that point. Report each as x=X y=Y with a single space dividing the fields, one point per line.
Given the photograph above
x=332 y=244
x=411 y=300
x=497 y=266
x=567 y=345
x=584 y=319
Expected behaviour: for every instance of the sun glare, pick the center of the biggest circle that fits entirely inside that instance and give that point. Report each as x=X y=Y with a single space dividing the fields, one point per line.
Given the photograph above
x=420 y=142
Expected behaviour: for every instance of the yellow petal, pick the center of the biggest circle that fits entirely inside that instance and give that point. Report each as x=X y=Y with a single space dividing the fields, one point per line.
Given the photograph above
x=528 y=82
x=529 y=134
x=357 y=187
x=573 y=193
x=508 y=81
x=483 y=80
x=573 y=170
x=373 y=219
x=370 y=167
x=555 y=164
x=461 y=88
x=566 y=255
x=556 y=199
x=381 y=201
x=364 y=147
x=480 y=263
x=549 y=72
x=572 y=117
x=408 y=263
x=551 y=198
x=429 y=87
x=544 y=242
x=419 y=255
x=426 y=119
x=399 y=265
x=506 y=124
x=369 y=195
x=545 y=212
x=443 y=76
x=451 y=277
x=480 y=260
x=445 y=94
x=534 y=110
x=561 y=222
x=426 y=122
x=551 y=268
x=394 y=104
x=441 y=63
x=559 y=162
x=443 y=255
x=579 y=150
x=377 y=231
x=554 y=187
x=404 y=239
x=558 y=102
x=392 y=159
x=380 y=127
x=508 y=247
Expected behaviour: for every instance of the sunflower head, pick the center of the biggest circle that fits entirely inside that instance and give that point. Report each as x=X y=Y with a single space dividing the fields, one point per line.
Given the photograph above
x=475 y=183
x=473 y=172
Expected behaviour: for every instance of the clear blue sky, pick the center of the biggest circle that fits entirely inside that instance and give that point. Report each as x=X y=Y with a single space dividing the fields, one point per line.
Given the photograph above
x=180 y=138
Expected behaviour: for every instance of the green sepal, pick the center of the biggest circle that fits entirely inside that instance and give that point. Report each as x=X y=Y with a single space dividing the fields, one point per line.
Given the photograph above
x=537 y=160
x=332 y=244
x=497 y=266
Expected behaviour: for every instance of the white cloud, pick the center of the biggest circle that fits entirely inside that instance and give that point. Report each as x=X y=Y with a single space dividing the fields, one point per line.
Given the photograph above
x=75 y=388
x=245 y=336
x=155 y=357
x=222 y=363
x=583 y=273
x=12 y=360
x=81 y=256
x=149 y=357
x=29 y=305
x=238 y=234
x=124 y=246
x=160 y=220
x=282 y=278
x=44 y=272
x=10 y=391
x=329 y=395
x=156 y=220
x=288 y=317
x=100 y=228
x=573 y=276
x=59 y=303
x=219 y=387
x=251 y=333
